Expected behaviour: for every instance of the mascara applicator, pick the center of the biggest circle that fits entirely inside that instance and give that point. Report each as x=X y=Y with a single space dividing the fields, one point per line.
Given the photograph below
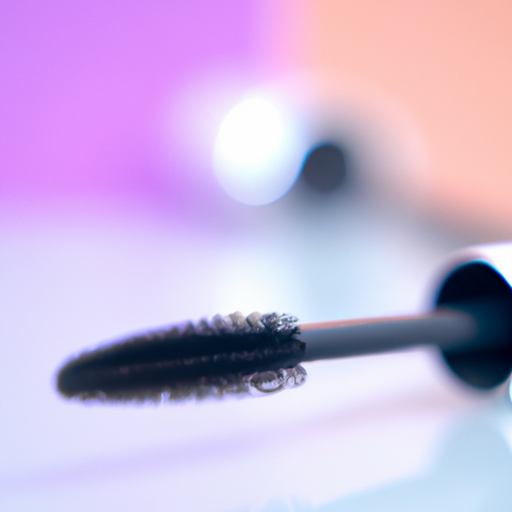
x=471 y=324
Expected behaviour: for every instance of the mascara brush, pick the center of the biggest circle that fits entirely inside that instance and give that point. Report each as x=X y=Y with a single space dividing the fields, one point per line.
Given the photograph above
x=260 y=354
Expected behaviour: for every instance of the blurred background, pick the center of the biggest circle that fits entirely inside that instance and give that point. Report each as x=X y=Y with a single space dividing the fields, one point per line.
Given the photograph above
x=170 y=160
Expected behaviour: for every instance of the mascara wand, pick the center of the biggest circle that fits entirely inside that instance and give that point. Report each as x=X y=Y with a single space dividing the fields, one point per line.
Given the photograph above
x=261 y=354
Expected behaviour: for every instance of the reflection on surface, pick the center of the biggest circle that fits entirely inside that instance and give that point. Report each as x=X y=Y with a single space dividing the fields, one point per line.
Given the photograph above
x=264 y=383
x=473 y=473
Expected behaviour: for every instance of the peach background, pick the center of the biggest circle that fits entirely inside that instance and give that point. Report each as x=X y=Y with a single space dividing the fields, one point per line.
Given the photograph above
x=449 y=64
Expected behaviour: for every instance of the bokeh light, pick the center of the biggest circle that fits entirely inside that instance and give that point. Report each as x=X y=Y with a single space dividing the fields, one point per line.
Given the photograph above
x=257 y=152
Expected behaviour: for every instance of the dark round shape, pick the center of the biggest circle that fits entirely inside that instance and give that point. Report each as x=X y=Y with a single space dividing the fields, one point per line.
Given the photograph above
x=484 y=367
x=324 y=168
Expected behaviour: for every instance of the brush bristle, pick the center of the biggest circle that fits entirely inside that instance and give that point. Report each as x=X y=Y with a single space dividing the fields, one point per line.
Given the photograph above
x=229 y=355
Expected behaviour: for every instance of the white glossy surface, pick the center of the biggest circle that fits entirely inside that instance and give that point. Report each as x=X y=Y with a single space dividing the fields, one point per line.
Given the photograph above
x=357 y=424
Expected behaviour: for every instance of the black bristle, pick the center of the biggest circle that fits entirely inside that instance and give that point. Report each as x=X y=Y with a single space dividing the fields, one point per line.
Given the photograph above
x=228 y=355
